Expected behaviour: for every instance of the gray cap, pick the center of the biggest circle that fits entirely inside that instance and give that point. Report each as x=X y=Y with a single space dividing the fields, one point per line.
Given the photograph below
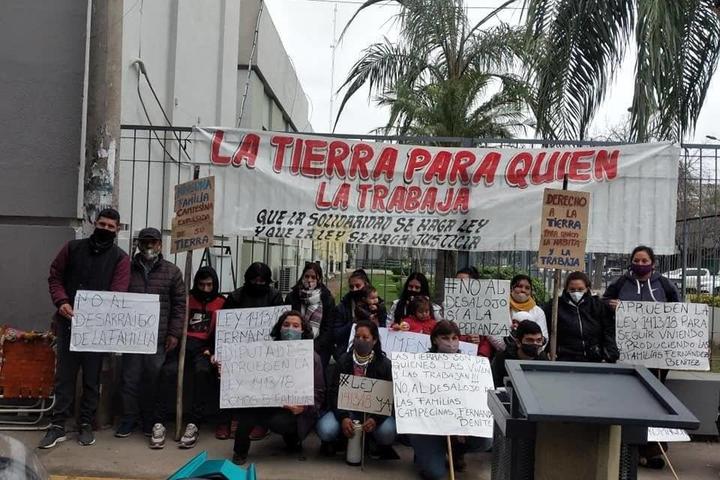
x=149 y=234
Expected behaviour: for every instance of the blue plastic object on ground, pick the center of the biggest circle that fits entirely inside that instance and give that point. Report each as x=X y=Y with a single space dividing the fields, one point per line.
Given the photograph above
x=200 y=467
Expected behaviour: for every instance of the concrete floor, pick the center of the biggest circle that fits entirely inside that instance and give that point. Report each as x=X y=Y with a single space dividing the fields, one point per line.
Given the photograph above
x=131 y=459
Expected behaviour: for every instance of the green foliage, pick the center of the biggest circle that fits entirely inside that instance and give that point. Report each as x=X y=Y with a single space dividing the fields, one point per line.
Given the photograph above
x=507 y=273
x=706 y=298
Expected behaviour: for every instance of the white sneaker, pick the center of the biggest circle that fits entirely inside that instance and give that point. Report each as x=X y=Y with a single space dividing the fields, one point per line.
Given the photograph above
x=190 y=437
x=157 y=440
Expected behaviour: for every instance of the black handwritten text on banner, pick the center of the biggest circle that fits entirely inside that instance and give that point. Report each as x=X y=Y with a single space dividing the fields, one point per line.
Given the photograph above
x=365 y=394
x=243 y=325
x=479 y=307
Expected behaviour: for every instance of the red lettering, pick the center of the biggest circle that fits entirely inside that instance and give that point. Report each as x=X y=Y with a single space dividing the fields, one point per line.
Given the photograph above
x=606 y=165
x=397 y=200
x=459 y=169
x=362 y=153
x=446 y=204
x=215 y=157
x=418 y=158
x=297 y=156
x=342 y=197
x=320 y=201
x=337 y=153
x=518 y=169
x=487 y=169
x=281 y=143
x=580 y=169
x=438 y=167
x=248 y=151
x=363 y=188
x=548 y=176
x=462 y=201
x=378 y=198
x=412 y=199
x=562 y=169
x=311 y=156
x=386 y=164
x=428 y=201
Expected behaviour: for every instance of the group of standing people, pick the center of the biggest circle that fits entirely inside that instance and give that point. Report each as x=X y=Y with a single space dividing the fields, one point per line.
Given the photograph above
x=585 y=332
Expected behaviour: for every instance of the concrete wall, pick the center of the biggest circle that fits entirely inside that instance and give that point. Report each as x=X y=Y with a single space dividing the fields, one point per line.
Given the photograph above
x=42 y=78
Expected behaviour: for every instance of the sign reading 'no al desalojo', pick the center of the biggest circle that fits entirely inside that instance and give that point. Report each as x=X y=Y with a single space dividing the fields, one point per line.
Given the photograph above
x=563 y=229
x=192 y=226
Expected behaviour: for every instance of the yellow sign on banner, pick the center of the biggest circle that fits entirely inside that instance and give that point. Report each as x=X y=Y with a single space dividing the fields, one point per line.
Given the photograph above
x=564 y=229
x=192 y=226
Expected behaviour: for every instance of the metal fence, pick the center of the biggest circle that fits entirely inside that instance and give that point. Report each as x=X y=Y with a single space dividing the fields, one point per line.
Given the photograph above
x=155 y=159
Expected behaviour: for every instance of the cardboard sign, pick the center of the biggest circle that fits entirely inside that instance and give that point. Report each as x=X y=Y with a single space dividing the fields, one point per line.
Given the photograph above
x=674 y=336
x=563 y=229
x=192 y=226
x=115 y=322
x=267 y=374
x=410 y=342
x=243 y=325
x=667 y=435
x=363 y=394
x=442 y=394
x=478 y=307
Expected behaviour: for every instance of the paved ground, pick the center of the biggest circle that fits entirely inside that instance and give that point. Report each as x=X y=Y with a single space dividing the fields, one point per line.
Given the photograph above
x=130 y=458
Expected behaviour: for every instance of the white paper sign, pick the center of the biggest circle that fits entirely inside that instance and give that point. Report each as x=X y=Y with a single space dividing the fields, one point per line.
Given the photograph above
x=674 y=336
x=667 y=435
x=478 y=307
x=115 y=322
x=442 y=394
x=267 y=374
x=242 y=325
x=410 y=342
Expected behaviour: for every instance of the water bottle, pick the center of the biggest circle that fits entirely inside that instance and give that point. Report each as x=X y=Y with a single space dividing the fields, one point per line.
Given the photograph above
x=353 y=455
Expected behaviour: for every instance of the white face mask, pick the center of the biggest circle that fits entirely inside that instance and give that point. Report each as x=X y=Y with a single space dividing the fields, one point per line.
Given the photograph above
x=577 y=296
x=150 y=254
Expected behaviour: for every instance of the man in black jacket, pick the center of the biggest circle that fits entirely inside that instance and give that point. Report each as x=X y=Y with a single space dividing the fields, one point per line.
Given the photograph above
x=528 y=342
x=152 y=274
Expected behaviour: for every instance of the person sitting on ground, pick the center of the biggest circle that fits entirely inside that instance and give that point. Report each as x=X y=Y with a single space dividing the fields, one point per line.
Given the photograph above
x=586 y=324
x=416 y=284
x=256 y=292
x=419 y=319
x=204 y=302
x=485 y=348
x=372 y=308
x=358 y=287
x=293 y=422
x=314 y=301
x=365 y=359
x=526 y=345
x=431 y=450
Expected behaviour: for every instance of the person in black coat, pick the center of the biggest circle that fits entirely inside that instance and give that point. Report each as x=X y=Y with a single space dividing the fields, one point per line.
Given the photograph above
x=257 y=290
x=314 y=301
x=586 y=324
x=345 y=315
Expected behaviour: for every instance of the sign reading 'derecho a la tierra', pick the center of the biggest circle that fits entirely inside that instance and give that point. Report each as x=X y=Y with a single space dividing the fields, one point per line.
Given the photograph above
x=564 y=228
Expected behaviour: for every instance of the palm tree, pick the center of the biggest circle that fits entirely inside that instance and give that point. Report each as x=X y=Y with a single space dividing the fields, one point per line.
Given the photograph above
x=445 y=78
x=577 y=45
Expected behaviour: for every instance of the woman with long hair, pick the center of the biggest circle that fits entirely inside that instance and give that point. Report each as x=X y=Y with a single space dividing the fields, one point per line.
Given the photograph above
x=416 y=285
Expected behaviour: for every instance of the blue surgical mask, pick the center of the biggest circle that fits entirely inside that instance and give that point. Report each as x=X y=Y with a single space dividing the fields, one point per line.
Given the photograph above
x=290 y=334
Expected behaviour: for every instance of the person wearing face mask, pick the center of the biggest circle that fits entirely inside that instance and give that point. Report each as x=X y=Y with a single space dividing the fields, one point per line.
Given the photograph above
x=431 y=450
x=293 y=422
x=365 y=359
x=94 y=263
x=151 y=273
x=521 y=300
x=415 y=285
x=586 y=324
x=314 y=301
x=256 y=292
x=526 y=345
x=358 y=287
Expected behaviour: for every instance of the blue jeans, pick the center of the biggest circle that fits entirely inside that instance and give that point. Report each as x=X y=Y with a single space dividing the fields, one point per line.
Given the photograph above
x=328 y=429
x=431 y=452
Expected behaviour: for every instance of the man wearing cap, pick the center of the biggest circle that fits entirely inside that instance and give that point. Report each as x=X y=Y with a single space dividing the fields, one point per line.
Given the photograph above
x=93 y=263
x=152 y=274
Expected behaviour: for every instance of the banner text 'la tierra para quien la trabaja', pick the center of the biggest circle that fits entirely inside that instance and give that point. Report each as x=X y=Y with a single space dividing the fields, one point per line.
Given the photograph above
x=301 y=187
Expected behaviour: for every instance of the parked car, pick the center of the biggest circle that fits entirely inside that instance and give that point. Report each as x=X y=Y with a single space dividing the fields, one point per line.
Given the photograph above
x=709 y=283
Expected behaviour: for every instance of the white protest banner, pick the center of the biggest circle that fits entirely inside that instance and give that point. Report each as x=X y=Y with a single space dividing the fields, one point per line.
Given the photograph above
x=411 y=342
x=267 y=374
x=478 y=307
x=442 y=394
x=115 y=322
x=364 y=394
x=242 y=325
x=667 y=435
x=476 y=199
x=675 y=336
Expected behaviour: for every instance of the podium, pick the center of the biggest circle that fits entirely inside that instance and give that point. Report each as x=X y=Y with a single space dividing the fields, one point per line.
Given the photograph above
x=568 y=420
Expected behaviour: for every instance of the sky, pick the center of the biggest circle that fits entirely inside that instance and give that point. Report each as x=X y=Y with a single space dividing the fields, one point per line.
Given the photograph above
x=306 y=29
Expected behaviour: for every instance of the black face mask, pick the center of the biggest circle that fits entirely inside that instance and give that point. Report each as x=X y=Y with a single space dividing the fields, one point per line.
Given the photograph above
x=357 y=294
x=102 y=235
x=256 y=290
x=530 y=349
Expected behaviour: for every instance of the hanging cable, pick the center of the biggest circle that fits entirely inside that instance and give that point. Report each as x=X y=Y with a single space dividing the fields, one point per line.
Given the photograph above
x=250 y=60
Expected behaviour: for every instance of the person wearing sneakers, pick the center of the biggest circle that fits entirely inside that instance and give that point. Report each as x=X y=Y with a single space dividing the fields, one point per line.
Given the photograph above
x=205 y=300
x=151 y=273
x=94 y=263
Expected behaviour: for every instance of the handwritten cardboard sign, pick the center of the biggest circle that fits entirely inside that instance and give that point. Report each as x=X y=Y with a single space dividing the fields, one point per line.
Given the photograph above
x=442 y=394
x=115 y=322
x=192 y=226
x=478 y=307
x=243 y=325
x=675 y=336
x=363 y=394
x=267 y=374
x=563 y=229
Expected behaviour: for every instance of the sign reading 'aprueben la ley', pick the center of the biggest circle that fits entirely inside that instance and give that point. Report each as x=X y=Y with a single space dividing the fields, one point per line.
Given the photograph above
x=564 y=229
x=192 y=227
